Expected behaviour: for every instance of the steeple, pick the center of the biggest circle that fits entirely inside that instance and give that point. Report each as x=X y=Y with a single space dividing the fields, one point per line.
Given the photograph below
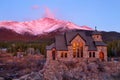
x=95 y=28
x=96 y=35
x=96 y=32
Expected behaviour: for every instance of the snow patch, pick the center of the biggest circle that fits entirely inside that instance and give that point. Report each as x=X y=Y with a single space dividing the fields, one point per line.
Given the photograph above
x=40 y=26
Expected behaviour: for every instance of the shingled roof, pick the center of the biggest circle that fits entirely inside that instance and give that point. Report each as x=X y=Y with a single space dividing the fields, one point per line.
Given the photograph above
x=100 y=43
x=91 y=45
x=50 y=46
x=64 y=40
x=70 y=36
x=96 y=32
x=60 y=42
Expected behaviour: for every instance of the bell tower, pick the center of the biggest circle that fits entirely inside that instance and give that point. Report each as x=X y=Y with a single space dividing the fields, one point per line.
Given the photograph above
x=96 y=35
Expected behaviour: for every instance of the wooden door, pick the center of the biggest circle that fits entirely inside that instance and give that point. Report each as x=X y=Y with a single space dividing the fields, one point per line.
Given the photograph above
x=101 y=56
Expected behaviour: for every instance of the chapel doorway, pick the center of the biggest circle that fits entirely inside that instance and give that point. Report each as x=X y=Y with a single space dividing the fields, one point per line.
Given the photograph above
x=101 y=56
x=53 y=55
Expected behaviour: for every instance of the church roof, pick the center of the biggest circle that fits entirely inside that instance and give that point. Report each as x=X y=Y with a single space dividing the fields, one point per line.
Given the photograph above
x=50 y=46
x=70 y=36
x=60 y=42
x=64 y=40
x=96 y=32
x=100 y=43
x=91 y=45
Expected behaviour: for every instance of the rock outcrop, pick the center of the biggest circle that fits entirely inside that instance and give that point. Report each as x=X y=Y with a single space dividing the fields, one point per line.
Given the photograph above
x=77 y=70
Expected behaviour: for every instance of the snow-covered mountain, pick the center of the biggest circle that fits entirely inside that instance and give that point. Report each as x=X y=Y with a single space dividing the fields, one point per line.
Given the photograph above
x=40 y=26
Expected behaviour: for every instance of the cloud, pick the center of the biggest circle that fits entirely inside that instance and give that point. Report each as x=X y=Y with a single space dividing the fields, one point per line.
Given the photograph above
x=35 y=7
x=48 y=13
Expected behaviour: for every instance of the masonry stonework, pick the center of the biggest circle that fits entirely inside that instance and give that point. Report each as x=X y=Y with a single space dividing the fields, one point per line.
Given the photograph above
x=76 y=46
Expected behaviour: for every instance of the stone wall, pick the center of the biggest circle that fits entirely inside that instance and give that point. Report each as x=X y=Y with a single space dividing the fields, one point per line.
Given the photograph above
x=59 y=55
x=70 y=51
x=97 y=37
x=104 y=50
x=49 y=55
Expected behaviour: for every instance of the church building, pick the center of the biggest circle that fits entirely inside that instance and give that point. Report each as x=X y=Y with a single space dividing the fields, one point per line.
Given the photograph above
x=77 y=44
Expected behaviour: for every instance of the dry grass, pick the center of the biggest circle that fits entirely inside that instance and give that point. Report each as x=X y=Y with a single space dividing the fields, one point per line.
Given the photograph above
x=10 y=65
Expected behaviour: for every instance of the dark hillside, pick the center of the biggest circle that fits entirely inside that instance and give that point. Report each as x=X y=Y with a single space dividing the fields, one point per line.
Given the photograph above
x=110 y=36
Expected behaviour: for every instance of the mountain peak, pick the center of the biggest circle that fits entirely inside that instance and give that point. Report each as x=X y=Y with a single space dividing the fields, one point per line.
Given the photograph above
x=40 y=26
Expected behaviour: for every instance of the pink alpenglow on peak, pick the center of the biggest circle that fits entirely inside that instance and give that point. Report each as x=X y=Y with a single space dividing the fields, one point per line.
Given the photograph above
x=40 y=26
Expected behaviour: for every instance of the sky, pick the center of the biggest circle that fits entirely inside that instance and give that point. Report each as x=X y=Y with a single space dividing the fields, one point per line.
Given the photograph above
x=105 y=14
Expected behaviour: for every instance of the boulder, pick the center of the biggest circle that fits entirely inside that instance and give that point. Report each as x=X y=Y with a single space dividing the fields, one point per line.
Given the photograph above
x=1 y=78
x=84 y=70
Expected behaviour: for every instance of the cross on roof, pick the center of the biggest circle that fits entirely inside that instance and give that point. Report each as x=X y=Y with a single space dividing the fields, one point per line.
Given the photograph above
x=95 y=28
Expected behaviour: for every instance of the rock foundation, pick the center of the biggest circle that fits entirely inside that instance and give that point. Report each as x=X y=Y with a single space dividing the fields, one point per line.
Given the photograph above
x=92 y=70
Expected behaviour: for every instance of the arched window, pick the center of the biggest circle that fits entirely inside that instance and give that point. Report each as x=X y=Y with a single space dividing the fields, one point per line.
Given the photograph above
x=62 y=54
x=93 y=54
x=77 y=49
x=78 y=54
x=65 y=55
x=74 y=49
x=53 y=55
x=90 y=55
x=81 y=49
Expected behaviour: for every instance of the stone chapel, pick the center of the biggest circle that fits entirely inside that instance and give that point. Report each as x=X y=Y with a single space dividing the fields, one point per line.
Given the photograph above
x=77 y=44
